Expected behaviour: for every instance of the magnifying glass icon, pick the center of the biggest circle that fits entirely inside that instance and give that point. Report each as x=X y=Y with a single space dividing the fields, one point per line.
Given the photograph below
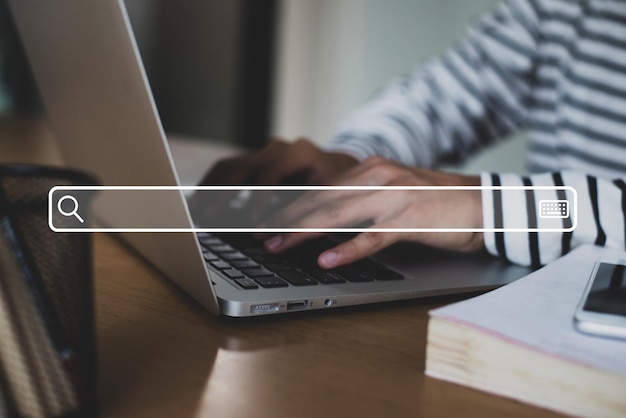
x=74 y=211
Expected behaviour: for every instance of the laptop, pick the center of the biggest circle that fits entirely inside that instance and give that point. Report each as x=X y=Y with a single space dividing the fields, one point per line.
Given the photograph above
x=101 y=110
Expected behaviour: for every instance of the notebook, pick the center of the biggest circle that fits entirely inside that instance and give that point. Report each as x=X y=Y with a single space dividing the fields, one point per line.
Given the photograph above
x=100 y=107
x=519 y=341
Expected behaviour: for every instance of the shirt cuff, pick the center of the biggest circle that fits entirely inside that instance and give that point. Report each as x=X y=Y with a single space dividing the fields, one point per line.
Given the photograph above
x=488 y=214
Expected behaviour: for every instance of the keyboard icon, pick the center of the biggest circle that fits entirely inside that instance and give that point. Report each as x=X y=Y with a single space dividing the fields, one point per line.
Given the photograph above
x=553 y=209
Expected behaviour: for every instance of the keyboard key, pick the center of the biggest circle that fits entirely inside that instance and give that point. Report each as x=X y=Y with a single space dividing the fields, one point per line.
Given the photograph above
x=233 y=256
x=233 y=274
x=269 y=282
x=209 y=256
x=206 y=239
x=244 y=264
x=306 y=264
x=298 y=278
x=264 y=258
x=376 y=270
x=240 y=240
x=219 y=264
x=257 y=272
x=354 y=275
x=246 y=283
x=278 y=265
x=325 y=277
x=254 y=251
x=221 y=248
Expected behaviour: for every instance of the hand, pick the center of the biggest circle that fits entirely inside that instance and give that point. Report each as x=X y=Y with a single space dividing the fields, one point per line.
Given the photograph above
x=385 y=209
x=279 y=162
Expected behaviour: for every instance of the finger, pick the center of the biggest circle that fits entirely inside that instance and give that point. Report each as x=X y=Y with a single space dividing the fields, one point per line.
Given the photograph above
x=350 y=211
x=266 y=159
x=363 y=245
x=374 y=171
x=265 y=204
x=297 y=159
x=246 y=169
x=241 y=170
x=338 y=208
x=263 y=236
x=207 y=207
x=296 y=210
x=232 y=171
x=347 y=211
x=309 y=203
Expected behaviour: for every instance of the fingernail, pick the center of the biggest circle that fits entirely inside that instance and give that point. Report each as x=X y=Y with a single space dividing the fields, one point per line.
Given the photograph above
x=274 y=243
x=328 y=259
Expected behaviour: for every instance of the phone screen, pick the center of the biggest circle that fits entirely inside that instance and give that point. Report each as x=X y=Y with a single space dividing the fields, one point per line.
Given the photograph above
x=608 y=291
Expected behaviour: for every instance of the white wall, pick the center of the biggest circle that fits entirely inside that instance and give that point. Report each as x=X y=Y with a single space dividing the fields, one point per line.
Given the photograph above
x=333 y=54
x=320 y=54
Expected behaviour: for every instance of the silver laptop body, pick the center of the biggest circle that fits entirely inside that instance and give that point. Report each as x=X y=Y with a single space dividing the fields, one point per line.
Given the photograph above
x=101 y=110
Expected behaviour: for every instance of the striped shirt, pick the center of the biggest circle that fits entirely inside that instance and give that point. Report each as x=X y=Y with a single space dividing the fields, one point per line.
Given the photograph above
x=555 y=68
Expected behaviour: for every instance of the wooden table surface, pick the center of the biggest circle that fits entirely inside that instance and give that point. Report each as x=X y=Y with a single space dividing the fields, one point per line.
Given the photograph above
x=162 y=355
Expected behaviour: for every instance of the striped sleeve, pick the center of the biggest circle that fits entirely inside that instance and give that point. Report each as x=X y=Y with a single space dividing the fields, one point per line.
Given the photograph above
x=596 y=216
x=478 y=91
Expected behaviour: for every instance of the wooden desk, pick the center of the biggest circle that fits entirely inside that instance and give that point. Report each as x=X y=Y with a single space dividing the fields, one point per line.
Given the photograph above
x=161 y=355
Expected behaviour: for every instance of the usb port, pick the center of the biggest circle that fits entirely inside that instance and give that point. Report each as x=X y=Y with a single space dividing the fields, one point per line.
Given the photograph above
x=297 y=304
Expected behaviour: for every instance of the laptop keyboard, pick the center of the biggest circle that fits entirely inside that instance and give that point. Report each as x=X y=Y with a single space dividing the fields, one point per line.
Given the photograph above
x=242 y=259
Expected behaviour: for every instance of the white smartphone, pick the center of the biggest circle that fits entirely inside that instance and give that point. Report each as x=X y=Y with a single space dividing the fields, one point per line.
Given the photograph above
x=602 y=309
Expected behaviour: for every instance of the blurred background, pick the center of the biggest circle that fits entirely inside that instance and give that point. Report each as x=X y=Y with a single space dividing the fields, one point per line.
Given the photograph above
x=241 y=71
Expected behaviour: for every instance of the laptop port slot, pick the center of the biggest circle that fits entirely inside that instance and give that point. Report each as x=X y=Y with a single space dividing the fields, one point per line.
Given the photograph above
x=264 y=308
x=297 y=304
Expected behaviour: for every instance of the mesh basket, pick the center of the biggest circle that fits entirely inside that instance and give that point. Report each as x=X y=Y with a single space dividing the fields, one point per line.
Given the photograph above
x=47 y=340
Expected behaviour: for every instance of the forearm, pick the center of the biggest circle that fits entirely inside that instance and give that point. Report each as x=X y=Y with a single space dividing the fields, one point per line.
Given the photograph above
x=472 y=95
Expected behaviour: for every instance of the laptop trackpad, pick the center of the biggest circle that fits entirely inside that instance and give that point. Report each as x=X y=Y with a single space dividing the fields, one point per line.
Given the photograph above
x=449 y=268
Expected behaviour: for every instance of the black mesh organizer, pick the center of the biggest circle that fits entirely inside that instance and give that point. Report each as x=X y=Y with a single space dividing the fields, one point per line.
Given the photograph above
x=47 y=337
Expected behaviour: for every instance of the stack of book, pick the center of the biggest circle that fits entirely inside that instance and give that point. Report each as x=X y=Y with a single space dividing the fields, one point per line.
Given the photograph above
x=519 y=341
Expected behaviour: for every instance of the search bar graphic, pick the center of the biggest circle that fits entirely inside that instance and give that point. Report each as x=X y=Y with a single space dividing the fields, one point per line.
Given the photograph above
x=281 y=209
